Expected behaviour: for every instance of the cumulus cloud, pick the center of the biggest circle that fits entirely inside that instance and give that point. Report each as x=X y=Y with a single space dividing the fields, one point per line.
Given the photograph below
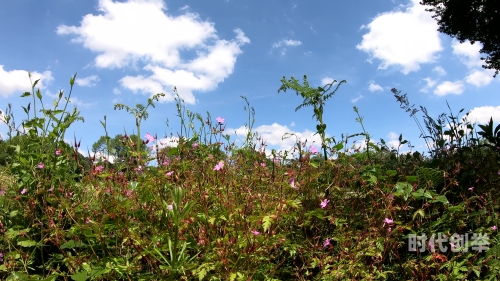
x=326 y=80
x=482 y=115
x=76 y=101
x=448 y=87
x=375 y=87
x=429 y=84
x=126 y=34
x=439 y=70
x=89 y=81
x=17 y=81
x=273 y=134
x=468 y=54
x=480 y=78
x=405 y=38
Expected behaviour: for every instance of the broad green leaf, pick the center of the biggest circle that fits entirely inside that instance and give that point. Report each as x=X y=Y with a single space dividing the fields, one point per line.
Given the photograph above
x=80 y=276
x=441 y=199
x=71 y=244
x=27 y=243
x=391 y=173
x=267 y=221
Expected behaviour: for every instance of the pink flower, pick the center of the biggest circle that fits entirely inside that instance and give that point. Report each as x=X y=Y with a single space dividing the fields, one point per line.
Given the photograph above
x=276 y=160
x=166 y=162
x=471 y=188
x=324 y=203
x=58 y=152
x=494 y=228
x=388 y=221
x=99 y=168
x=170 y=207
x=255 y=232
x=219 y=166
x=40 y=165
x=2 y=191
x=291 y=181
x=23 y=191
x=150 y=138
x=262 y=164
x=327 y=242
x=170 y=173
x=220 y=120
x=313 y=150
x=195 y=145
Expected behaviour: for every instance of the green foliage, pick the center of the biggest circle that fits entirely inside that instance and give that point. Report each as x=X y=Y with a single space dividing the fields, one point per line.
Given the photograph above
x=256 y=217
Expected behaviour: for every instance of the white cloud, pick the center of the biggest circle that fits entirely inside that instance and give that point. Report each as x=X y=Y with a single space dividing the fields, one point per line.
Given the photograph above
x=138 y=31
x=480 y=78
x=17 y=81
x=375 y=87
x=292 y=43
x=448 y=87
x=439 y=70
x=326 y=80
x=76 y=101
x=89 y=81
x=482 y=114
x=429 y=84
x=402 y=38
x=354 y=100
x=272 y=135
x=468 y=54
x=117 y=91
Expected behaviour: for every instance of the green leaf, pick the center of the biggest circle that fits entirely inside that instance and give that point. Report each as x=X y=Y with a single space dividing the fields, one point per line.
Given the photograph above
x=391 y=173
x=440 y=199
x=13 y=213
x=80 y=276
x=26 y=94
x=71 y=244
x=267 y=221
x=27 y=243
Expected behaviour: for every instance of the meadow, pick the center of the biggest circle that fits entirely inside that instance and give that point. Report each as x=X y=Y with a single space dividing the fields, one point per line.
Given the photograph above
x=213 y=210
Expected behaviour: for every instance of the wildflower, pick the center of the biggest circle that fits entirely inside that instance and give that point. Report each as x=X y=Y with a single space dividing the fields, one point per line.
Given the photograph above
x=471 y=188
x=1 y=257
x=170 y=173
x=58 y=152
x=494 y=228
x=23 y=191
x=150 y=138
x=170 y=207
x=389 y=230
x=262 y=164
x=219 y=166
x=327 y=242
x=166 y=162
x=139 y=170
x=255 y=232
x=291 y=181
x=40 y=165
x=195 y=145
x=313 y=150
x=324 y=203
x=99 y=168
x=453 y=245
x=276 y=160
x=220 y=120
x=388 y=221
x=2 y=191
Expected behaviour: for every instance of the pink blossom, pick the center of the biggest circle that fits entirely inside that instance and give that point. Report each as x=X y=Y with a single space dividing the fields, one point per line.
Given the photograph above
x=220 y=120
x=170 y=173
x=388 y=221
x=195 y=145
x=170 y=207
x=166 y=162
x=99 y=168
x=150 y=138
x=23 y=191
x=40 y=165
x=313 y=150
x=255 y=232
x=2 y=191
x=262 y=164
x=219 y=166
x=494 y=228
x=291 y=181
x=276 y=160
x=58 y=152
x=327 y=242
x=324 y=203
x=471 y=188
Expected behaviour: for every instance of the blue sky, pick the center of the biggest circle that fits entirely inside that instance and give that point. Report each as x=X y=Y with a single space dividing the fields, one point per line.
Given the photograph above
x=216 y=51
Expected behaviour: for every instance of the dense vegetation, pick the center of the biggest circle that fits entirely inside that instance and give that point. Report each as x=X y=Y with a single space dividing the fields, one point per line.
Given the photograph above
x=211 y=210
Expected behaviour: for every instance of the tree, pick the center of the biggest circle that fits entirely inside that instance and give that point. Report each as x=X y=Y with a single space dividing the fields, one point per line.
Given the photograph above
x=119 y=146
x=473 y=20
